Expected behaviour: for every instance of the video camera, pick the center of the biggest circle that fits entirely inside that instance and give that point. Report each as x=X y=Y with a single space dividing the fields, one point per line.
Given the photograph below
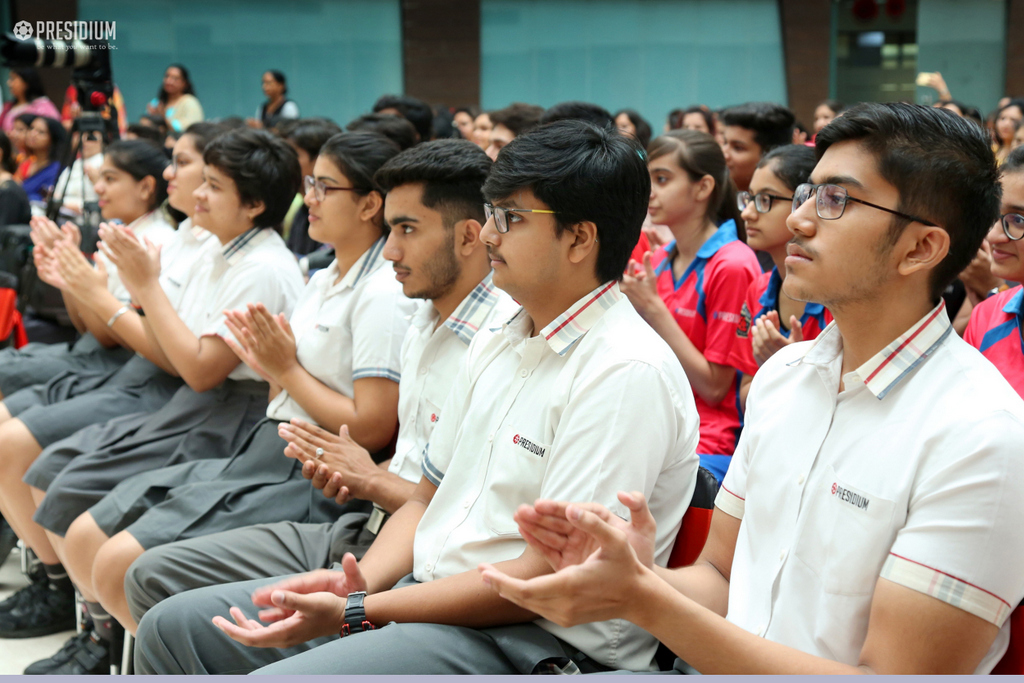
x=89 y=58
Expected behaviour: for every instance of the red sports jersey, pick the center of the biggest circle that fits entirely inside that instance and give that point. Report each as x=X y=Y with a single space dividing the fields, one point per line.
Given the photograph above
x=763 y=296
x=995 y=330
x=706 y=302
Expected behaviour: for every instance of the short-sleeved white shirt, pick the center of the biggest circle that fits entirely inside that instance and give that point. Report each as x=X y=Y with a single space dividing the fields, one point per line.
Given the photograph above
x=254 y=267
x=914 y=473
x=348 y=329
x=178 y=259
x=596 y=403
x=431 y=357
x=152 y=226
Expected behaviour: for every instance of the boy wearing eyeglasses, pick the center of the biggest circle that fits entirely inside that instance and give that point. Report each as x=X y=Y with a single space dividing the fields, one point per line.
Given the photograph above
x=575 y=396
x=870 y=521
x=995 y=326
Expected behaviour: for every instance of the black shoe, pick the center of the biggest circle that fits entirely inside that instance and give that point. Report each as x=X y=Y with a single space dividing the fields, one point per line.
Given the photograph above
x=63 y=656
x=20 y=596
x=8 y=540
x=38 y=610
x=84 y=654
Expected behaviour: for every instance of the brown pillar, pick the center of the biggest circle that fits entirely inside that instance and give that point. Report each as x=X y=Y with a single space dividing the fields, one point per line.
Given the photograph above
x=806 y=41
x=441 y=50
x=1014 y=48
x=55 y=81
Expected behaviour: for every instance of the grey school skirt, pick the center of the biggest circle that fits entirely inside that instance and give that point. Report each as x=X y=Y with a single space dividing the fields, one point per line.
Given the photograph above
x=257 y=485
x=37 y=363
x=73 y=401
x=77 y=472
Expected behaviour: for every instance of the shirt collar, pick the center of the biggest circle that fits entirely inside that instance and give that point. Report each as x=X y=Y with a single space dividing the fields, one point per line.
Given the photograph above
x=565 y=330
x=1016 y=304
x=367 y=263
x=235 y=250
x=890 y=365
x=466 y=319
x=770 y=299
x=725 y=234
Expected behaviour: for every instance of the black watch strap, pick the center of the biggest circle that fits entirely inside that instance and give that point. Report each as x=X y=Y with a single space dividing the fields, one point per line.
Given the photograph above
x=355 y=615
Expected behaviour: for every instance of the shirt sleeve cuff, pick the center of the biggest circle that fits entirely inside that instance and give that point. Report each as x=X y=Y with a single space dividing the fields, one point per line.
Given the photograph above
x=430 y=471
x=729 y=503
x=947 y=588
x=386 y=373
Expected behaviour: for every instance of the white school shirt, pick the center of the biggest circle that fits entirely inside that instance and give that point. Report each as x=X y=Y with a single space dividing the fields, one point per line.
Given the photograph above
x=254 y=267
x=153 y=226
x=431 y=357
x=349 y=329
x=73 y=197
x=595 y=404
x=914 y=473
x=178 y=259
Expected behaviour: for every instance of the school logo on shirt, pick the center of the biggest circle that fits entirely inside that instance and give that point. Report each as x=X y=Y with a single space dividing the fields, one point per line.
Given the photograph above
x=726 y=316
x=323 y=328
x=743 y=329
x=686 y=312
x=528 y=445
x=848 y=496
x=434 y=418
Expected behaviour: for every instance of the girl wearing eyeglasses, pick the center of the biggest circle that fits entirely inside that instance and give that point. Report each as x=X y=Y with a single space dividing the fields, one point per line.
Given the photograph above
x=691 y=290
x=995 y=325
x=771 y=320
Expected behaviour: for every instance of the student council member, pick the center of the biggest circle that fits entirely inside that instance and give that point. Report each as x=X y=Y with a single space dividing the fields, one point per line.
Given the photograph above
x=770 y=319
x=437 y=252
x=815 y=563
x=995 y=326
x=528 y=415
x=691 y=290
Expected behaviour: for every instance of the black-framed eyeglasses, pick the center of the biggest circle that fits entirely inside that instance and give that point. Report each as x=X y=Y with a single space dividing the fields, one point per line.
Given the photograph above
x=762 y=201
x=501 y=215
x=830 y=202
x=320 y=188
x=1013 y=225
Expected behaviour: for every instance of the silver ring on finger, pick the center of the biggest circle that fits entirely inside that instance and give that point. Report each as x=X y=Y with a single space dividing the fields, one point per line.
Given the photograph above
x=319 y=453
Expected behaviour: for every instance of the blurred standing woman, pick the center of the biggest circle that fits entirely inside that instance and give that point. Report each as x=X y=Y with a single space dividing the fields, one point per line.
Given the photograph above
x=1008 y=119
x=26 y=89
x=45 y=145
x=277 y=107
x=176 y=102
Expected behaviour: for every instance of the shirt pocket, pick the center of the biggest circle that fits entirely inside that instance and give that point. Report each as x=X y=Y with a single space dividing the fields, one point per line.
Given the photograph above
x=518 y=463
x=861 y=536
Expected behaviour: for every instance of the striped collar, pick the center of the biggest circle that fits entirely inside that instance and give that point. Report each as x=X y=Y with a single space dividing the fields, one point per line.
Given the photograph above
x=367 y=263
x=468 y=316
x=565 y=330
x=235 y=250
x=890 y=365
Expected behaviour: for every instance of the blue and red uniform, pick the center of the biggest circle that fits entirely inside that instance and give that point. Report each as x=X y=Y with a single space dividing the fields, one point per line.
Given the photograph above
x=995 y=330
x=763 y=296
x=706 y=303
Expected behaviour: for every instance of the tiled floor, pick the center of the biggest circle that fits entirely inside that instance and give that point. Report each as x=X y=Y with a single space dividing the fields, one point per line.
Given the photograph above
x=17 y=653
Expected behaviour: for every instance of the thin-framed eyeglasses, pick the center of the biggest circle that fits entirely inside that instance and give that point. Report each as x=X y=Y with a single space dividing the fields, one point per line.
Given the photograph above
x=320 y=188
x=1013 y=226
x=830 y=202
x=501 y=215
x=762 y=201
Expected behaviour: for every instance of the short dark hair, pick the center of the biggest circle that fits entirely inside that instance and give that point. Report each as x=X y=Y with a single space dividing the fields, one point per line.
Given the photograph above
x=395 y=128
x=33 y=82
x=6 y=157
x=203 y=132
x=311 y=134
x=941 y=165
x=793 y=164
x=579 y=111
x=452 y=172
x=1014 y=162
x=416 y=111
x=834 y=105
x=144 y=132
x=518 y=117
x=772 y=123
x=643 y=129
x=263 y=167
x=584 y=173
x=139 y=159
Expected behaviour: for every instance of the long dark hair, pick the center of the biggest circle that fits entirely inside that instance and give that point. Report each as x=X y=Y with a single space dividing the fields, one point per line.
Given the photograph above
x=279 y=77
x=358 y=155
x=58 y=138
x=189 y=90
x=699 y=155
x=7 y=162
x=33 y=83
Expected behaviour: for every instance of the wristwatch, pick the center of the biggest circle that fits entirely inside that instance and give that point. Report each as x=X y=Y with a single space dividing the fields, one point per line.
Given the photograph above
x=355 y=615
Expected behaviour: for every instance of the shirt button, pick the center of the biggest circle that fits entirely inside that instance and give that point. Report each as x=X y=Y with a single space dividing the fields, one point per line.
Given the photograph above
x=429 y=567
x=782 y=555
x=760 y=631
x=800 y=480
x=423 y=371
x=524 y=373
x=466 y=503
x=490 y=437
